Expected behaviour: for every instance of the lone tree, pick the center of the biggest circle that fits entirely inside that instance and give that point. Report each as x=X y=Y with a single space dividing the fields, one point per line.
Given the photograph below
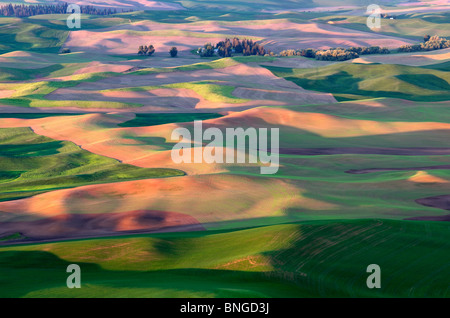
x=426 y=38
x=151 y=50
x=173 y=51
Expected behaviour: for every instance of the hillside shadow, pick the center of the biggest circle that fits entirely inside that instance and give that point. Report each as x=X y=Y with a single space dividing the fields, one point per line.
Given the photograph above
x=24 y=272
x=344 y=83
x=427 y=81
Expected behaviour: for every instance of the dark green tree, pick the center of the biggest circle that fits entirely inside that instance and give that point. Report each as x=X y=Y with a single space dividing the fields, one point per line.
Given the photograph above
x=151 y=50
x=173 y=51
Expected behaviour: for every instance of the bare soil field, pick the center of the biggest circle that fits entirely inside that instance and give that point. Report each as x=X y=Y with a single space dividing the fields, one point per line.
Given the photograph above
x=424 y=177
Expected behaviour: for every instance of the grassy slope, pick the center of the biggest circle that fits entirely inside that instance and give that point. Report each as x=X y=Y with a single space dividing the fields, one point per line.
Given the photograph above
x=32 y=164
x=165 y=118
x=315 y=259
x=348 y=81
x=249 y=5
x=23 y=34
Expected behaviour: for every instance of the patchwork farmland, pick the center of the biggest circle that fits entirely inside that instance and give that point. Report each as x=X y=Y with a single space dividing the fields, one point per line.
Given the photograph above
x=87 y=175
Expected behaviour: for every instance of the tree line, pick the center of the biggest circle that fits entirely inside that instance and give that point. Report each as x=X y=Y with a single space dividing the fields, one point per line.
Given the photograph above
x=336 y=54
x=430 y=43
x=228 y=47
x=21 y=10
x=342 y=54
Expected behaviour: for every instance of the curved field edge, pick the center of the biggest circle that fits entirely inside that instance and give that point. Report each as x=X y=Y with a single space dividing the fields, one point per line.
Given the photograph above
x=312 y=259
x=31 y=164
x=366 y=81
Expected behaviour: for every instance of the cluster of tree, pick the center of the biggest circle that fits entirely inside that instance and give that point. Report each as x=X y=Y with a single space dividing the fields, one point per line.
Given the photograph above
x=430 y=43
x=336 y=54
x=341 y=54
x=206 y=51
x=364 y=50
x=149 y=50
x=227 y=47
x=301 y=52
x=146 y=50
x=21 y=10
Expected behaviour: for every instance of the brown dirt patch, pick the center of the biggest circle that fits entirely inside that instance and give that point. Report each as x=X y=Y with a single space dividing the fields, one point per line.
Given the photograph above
x=6 y=93
x=424 y=177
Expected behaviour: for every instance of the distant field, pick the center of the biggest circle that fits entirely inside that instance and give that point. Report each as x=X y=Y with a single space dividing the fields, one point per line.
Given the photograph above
x=361 y=81
x=275 y=34
x=313 y=259
x=410 y=26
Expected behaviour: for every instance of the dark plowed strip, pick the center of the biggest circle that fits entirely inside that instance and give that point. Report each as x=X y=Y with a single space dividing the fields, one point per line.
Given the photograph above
x=439 y=202
x=445 y=218
x=361 y=171
x=366 y=151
